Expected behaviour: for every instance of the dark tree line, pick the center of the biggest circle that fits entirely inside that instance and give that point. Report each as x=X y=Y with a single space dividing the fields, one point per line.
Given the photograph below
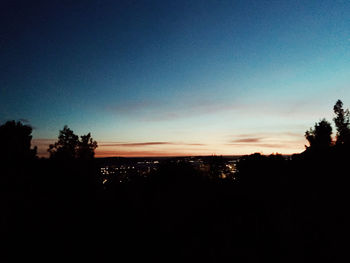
x=276 y=209
x=15 y=143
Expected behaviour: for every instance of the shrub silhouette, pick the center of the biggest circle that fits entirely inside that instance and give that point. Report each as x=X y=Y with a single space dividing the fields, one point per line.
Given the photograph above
x=15 y=142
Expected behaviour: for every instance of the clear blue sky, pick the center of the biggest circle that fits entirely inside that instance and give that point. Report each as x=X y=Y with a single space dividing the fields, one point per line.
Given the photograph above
x=175 y=77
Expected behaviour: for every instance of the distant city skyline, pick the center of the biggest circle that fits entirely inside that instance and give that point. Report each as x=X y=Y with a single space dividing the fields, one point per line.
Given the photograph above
x=179 y=78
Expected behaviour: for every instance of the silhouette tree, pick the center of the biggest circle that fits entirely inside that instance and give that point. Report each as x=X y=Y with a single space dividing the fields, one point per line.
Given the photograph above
x=320 y=137
x=66 y=146
x=15 y=142
x=69 y=146
x=86 y=147
x=342 y=123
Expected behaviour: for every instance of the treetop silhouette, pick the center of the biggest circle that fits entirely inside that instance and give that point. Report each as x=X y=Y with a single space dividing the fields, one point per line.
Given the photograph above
x=319 y=137
x=86 y=147
x=342 y=123
x=69 y=146
x=15 y=141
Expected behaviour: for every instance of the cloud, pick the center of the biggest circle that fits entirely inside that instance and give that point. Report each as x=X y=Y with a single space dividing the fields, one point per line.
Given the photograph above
x=247 y=140
x=191 y=109
x=127 y=153
x=267 y=135
x=133 y=144
x=140 y=144
x=166 y=110
x=121 y=148
x=175 y=108
x=277 y=140
x=293 y=134
x=264 y=145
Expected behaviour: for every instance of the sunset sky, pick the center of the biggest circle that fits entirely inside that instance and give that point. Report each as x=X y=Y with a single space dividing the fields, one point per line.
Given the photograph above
x=155 y=78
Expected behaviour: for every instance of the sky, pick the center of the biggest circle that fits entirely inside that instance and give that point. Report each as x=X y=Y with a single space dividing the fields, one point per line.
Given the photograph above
x=167 y=78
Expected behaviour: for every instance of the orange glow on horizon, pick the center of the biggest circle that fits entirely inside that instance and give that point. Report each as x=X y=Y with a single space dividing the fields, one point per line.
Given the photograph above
x=170 y=149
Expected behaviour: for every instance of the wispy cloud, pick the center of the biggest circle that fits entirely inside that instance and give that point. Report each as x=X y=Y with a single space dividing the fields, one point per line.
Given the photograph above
x=264 y=145
x=148 y=110
x=172 y=109
x=128 y=153
x=282 y=140
x=264 y=135
x=141 y=144
x=133 y=144
x=247 y=140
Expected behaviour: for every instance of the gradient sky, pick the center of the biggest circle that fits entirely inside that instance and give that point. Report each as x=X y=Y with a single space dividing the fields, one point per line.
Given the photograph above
x=174 y=77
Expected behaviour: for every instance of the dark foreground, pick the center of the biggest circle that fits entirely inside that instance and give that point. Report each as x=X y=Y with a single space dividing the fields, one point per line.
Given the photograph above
x=275 y=210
